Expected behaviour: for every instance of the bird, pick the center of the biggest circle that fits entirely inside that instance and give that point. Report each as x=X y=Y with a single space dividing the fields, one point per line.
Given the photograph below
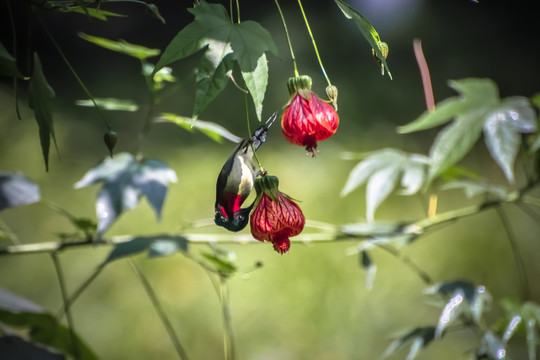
x=236 y=180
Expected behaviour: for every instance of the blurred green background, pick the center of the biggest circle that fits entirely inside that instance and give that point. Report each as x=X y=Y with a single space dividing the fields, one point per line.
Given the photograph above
x=312 y=302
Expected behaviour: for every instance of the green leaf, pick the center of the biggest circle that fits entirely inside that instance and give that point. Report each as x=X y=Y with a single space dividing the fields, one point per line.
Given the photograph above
x=476 y=95
x=211 y=79
x=43 y=327
x=454 y=142
x=156 y=245
x=14 y=347
x=214 y=131
x=256 y=82
x=367 y=30
x=474 y=188
x=40 y=94
x=221 y=262
x=110 y=104
x=8 y=64
x=419 y=338
x=222 y=42
x=383 y=170
x=502 y=131
x=125 y=180
x=17 y=190
x=93 y=12
x=137 y=51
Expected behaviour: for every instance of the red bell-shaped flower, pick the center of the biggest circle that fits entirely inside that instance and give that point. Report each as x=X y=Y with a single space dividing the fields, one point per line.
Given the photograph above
x=307 y=119
x=276 y=217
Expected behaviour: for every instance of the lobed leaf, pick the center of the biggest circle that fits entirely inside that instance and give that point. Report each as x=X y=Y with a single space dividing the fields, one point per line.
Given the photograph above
x=125 y=180
x=419 y=338
x=17 y=190
x=123 y=47
x=256 y=82
x=40 y=94
x=223 y=42
x=383 y=170
x=156 y=245
x=502 y=130
x=454 y=142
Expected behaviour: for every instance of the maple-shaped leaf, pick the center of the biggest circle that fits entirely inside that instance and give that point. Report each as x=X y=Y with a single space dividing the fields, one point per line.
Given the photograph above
x=384 y=170
x=17 y=190
x=125 y=180
x=462 y=299
x=223 y=42
x=419 y=338
x=479 y=108
x=519 y=316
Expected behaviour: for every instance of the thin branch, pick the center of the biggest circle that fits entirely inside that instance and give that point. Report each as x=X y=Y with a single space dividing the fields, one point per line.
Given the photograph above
x=512 y=239
x=408 y=262
x=161 y=313
x=63 y=291
x=70 y=300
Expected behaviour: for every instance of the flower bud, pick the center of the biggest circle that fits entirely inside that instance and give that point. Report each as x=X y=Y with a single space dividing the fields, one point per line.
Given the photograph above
x=110 y=138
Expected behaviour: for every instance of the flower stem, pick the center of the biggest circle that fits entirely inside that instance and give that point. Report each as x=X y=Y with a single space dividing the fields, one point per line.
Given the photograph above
x=524 y=280
x=159 y=309
x=249 y=132
x=288 y=39
x=424 y=71
x=63 y=291
x=313 y=41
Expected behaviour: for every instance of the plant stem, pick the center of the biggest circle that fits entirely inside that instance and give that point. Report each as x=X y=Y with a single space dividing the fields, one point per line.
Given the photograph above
x=288 y=39
x=228 y=337
x=313 y=41
x=70 y=300
x=424 y=71
x=524 y=280
x=426 y=278
x=161 y=313
x=66 y=61
x=238 y=11
x=63 y=291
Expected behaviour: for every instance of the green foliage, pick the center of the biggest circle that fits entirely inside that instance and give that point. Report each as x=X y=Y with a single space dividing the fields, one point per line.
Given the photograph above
x=17 y=190
x=214 y=131
x=384 y=170
x=478 y=108
x=40 y=94
x=123 y=47
x=223 y=42
x=8 y=65
x=156 y=245
x=125 y=180
x=369 y=33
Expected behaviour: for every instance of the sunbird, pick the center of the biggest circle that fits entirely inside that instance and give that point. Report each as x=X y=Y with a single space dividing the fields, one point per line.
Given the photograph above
x=236 y=179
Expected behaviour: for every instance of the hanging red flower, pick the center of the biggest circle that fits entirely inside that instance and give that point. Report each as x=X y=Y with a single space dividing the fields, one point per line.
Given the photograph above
x=276 y=217
x=307 y=119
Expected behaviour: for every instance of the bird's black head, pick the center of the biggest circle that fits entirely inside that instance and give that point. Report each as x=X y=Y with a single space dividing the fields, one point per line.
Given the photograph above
x=236 y=222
